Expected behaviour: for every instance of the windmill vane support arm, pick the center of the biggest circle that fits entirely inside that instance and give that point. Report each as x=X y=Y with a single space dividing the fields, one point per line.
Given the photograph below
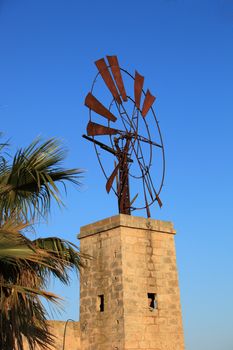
x=105 y=147
x=102 y=145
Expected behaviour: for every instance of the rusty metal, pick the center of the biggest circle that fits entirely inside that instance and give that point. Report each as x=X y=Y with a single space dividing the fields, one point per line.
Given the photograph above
x=159 y=201
x=105 y=147
x=123 y=187
x=100 y=144
x=104 y=72
x=138 y=86
x=130 y=140
x=114 y=65
x=148 y=210
x=148 y=102
x=94 y=129
x=112 y=178
x=95 y=105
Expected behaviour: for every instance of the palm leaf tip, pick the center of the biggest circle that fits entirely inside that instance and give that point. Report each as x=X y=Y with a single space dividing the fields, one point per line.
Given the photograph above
x=65 y=255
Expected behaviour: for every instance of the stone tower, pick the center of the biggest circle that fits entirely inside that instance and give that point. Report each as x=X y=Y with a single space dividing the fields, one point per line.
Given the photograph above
x=129 y=289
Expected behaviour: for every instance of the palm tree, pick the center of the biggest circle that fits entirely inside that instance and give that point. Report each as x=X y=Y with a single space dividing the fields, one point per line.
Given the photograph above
x=28 y=182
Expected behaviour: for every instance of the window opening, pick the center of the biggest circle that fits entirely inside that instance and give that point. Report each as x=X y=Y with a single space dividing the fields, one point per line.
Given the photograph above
x=101 y=303
x=152 y=300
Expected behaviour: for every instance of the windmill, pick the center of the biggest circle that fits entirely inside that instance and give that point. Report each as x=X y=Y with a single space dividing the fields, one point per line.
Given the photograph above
x=127 y=130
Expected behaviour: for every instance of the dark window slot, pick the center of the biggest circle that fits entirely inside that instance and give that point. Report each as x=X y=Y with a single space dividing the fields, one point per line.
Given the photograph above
x=101 y=303
x=152 y=300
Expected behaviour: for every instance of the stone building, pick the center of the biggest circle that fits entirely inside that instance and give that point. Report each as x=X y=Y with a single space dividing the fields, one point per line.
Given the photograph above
x=129 y=292
x=129 y=296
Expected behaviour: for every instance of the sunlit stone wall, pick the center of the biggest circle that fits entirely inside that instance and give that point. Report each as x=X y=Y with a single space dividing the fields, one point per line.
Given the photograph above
x=129 y=289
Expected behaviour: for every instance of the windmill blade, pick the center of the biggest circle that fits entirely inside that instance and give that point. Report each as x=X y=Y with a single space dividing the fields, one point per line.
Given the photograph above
x=111 y=178
x=94 y=129
x=138 y=85
x=113 y=62
x=159 y=201
x=149 y=100
x=95 y=105
x=134 y=199
x=117 y=177
x=104 y=72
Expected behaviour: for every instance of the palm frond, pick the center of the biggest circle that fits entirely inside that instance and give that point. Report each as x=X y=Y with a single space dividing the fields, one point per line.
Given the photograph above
x=23 y=318
x=21 y=287
x=30 y=182
x=65 y=256
x=14 y=245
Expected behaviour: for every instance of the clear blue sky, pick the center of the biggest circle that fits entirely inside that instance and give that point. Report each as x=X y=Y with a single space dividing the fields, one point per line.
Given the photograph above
x=184 y=49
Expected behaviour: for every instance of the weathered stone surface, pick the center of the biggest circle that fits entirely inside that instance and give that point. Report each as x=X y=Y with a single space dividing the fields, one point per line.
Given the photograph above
x=132 y=257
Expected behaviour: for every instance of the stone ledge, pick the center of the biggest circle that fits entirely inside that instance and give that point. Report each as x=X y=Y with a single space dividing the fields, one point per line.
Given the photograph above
x=60 y=325
x=123 y=220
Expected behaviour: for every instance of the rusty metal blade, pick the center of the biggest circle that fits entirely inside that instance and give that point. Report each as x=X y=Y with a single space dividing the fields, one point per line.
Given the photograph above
x=111 y=178
x=113 y=62
x=134 y=199
x=104 y=72
x=148 y=102
x=94 y=104
x=117 y=177
x=97 y=129
x=159 y=201
x=138 y=85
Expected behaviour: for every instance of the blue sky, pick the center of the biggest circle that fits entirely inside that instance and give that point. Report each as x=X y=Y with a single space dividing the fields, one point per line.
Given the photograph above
x=185 y=51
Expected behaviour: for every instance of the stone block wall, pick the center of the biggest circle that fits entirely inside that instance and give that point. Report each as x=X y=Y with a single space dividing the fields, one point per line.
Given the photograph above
x=149 y=270
x=102 y=278
x=133 y=267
